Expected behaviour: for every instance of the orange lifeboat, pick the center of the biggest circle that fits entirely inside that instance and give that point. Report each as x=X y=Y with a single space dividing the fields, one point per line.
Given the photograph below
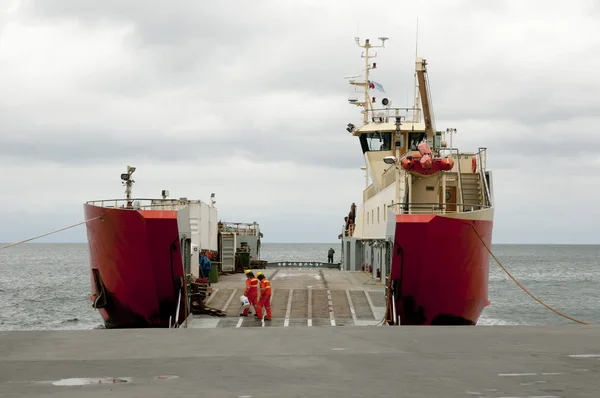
x=423 y=162
x=446 y=164
x=408 y=162
x=415 y=164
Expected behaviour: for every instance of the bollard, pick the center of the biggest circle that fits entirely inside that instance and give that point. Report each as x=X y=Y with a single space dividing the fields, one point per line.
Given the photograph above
x=378 y=274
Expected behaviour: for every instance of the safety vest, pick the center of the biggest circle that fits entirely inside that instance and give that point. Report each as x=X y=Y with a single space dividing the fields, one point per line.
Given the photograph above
x=251 y=286
x=265 y=287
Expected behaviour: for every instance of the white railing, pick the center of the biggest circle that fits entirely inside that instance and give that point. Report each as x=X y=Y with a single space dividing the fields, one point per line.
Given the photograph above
x=240 y=228
x=432 y=208
x=369 y=192
x=140 y=203
x=388 y=115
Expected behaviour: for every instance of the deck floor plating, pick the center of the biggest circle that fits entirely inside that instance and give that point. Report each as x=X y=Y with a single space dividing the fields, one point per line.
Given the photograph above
x=301 y=298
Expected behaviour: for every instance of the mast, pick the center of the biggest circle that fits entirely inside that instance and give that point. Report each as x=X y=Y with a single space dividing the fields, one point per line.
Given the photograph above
x=367 y=103
x=416 y=112
x=128 y=182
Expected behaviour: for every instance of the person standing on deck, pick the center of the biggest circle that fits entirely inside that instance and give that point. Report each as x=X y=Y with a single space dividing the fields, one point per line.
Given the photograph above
x=204 y=265
x=330 y=254
x=265 y=297
x=251 y=291
x=352 y=219
x=352 y=214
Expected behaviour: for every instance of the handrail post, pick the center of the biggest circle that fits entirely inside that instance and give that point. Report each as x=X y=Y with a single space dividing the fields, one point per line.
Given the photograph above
x=462 y=200
x=482 y=189
x=443 y=203
x=482 y=174
x=178 y=305
x=485 y=159
x=410 y=194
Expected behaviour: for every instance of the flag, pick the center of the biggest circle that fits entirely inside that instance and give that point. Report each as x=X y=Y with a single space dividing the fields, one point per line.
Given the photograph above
x=377 y=86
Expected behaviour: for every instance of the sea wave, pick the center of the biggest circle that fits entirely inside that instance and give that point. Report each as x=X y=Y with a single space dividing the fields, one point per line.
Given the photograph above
x=485 y=321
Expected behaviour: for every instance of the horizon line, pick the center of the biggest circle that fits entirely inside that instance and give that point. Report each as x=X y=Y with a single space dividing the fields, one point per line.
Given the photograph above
x=329 y=243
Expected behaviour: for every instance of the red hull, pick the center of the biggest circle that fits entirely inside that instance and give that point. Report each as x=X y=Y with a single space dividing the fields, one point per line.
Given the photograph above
x=440 y=269
x=136 y=266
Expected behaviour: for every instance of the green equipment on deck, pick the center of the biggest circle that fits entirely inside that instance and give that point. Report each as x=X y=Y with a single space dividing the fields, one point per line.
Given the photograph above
x=245 y=257
x=213 y=277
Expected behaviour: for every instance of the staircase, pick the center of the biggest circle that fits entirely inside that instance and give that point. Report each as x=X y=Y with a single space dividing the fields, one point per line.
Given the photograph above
x=471 y=187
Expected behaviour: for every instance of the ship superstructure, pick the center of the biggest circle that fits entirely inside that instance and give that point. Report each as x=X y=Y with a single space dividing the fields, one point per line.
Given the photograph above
x=423 y=210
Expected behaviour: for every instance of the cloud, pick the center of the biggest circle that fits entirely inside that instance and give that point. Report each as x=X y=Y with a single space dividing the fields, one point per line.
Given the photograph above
x=280 y=196
x=248 y=100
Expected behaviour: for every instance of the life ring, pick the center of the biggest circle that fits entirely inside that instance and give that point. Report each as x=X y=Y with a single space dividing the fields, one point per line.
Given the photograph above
x=474 y=164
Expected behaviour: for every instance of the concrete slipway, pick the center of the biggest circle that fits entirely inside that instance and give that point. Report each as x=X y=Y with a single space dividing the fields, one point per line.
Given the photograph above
x=222 y=360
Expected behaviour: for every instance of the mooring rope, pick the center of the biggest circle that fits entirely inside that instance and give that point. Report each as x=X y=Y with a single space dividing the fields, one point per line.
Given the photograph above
x=49 y=233
x=523 y=287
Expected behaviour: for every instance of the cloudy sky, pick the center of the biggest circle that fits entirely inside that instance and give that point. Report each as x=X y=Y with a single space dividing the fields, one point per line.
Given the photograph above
x=247 y=100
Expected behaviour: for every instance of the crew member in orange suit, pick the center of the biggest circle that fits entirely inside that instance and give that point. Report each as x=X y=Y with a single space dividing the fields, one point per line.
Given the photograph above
x=265 y=297
x=251 y=292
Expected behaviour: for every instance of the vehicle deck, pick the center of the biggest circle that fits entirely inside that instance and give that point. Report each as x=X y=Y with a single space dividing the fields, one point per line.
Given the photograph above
x=300 y=297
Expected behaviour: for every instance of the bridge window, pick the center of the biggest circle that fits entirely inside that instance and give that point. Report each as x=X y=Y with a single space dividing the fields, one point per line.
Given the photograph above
x=414 y=139
x=377 y=141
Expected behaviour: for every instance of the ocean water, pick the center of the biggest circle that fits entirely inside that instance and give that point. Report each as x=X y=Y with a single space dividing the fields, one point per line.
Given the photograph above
x=47 y=286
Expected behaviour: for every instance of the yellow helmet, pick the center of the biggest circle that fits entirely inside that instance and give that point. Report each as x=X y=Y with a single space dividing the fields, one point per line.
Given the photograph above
x=248 y=271
x=259 y=273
